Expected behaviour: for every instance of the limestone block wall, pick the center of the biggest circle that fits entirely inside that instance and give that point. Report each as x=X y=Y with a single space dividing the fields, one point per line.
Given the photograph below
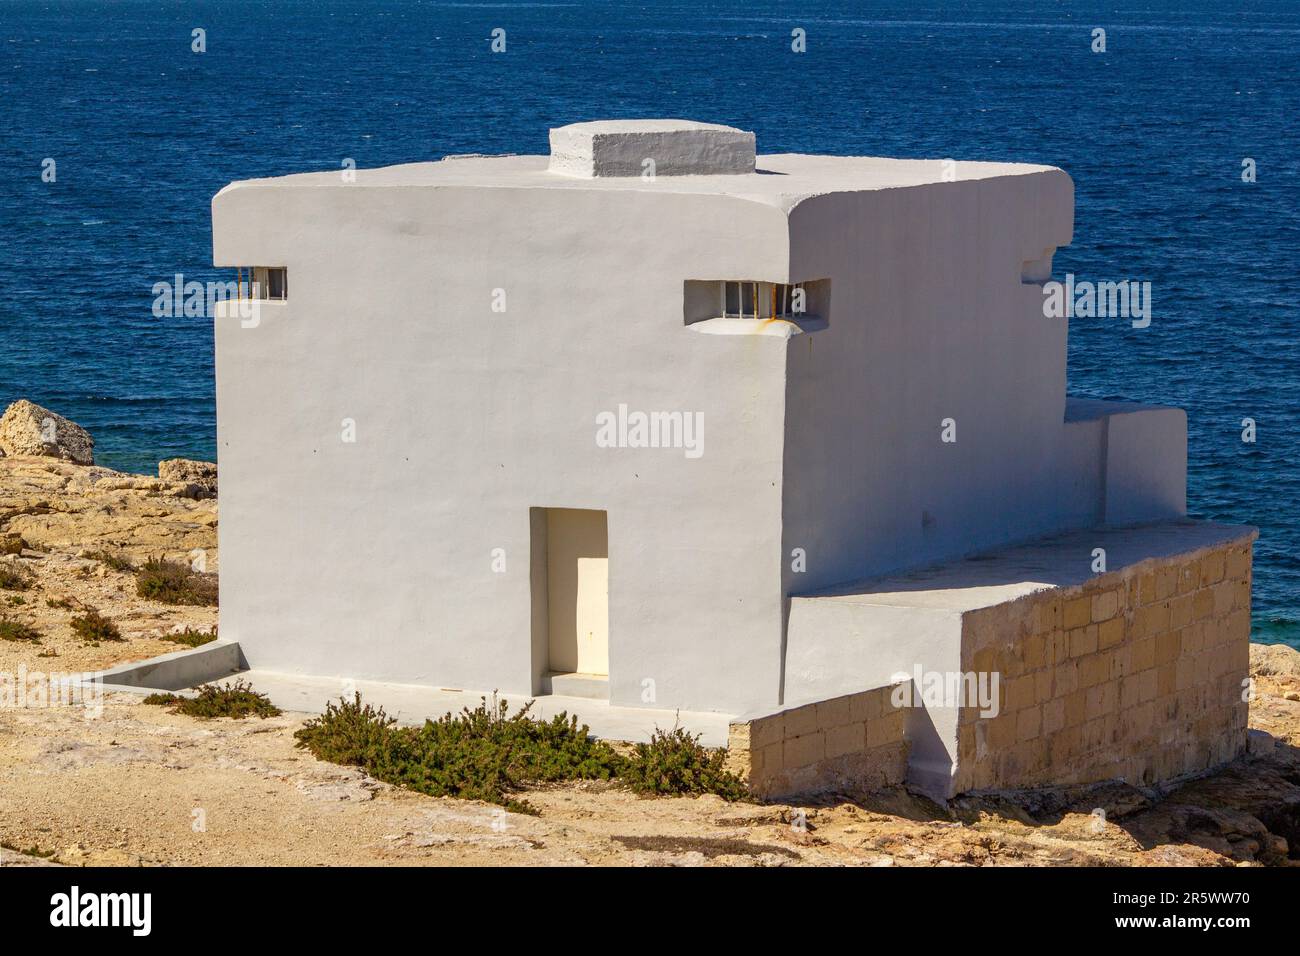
x=1137 y=674
x=854 y=741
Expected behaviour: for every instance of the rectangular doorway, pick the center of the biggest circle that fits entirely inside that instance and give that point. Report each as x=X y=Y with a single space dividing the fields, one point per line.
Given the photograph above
x=577 y=591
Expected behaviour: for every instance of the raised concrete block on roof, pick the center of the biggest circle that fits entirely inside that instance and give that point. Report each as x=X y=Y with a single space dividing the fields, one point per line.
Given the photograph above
x=1142 y=453
x=1146 y=465
x=676 y=147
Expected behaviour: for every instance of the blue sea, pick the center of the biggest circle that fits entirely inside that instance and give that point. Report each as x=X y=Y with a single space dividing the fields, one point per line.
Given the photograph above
x=144 y=131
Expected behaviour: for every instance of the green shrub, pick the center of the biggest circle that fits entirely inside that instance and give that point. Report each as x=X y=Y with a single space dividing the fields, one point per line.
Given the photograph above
x=34 y=851
x=480 y=754
x=673 y=762
x=14 y=578
x=349 y=733
x=17 y=631
x=192 y=638
x=114 y=561
x=92 y=627
x=237 y=700
x=12 y=544
x=172 y=582
x=61 y=603
x=488 y=754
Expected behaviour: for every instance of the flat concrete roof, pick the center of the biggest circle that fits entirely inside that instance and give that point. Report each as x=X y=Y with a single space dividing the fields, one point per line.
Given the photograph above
x=1059 y=561
x=782 y=180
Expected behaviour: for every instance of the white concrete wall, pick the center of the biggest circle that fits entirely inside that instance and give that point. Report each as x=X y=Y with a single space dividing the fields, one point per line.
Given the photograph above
x=929 y=320
x=373 y=560
x=1083 y=470
x=1146 y=465
x=846 y=644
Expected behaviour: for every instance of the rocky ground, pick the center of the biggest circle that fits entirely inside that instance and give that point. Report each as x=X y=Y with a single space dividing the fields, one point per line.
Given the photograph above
x=142 y=786
x=54 y=515
x=135 y=784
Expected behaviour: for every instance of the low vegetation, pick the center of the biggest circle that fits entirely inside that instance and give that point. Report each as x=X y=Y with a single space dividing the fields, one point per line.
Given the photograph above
x=111 y=560
x=489 y=754
x=191 y=637
x=14 y=578
x=237 y=700
x=92 y=627
x=480 y=754
x=18 y=631
x=32 y=851
x=673 y=762
x=12 y=544
x=173 y=582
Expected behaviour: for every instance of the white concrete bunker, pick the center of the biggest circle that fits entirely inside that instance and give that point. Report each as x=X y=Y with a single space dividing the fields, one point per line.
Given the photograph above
x=604 y=423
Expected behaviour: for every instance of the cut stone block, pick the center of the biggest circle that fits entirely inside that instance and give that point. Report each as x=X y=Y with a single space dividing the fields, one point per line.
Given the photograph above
x=854 y=743
x=1066 y=706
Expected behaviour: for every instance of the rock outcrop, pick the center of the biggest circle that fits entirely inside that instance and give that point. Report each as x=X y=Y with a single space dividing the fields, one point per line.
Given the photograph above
x=29 y=429
x=201 y=474
x=56 y=506
x=72 y=536
x=1274 y=660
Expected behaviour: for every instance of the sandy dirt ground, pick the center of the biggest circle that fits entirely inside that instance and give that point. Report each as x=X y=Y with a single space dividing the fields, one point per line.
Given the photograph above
x=141 y=786
x=131 y=784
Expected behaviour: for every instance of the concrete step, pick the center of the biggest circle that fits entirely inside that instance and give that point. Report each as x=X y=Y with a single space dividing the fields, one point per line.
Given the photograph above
x=590 y=686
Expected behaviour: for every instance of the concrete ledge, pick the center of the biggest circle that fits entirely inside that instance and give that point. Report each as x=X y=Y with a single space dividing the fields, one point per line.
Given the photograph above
x=413 y=704
x=780 y=328
x=177 y=671
x=410 y=703
x=587 y=686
